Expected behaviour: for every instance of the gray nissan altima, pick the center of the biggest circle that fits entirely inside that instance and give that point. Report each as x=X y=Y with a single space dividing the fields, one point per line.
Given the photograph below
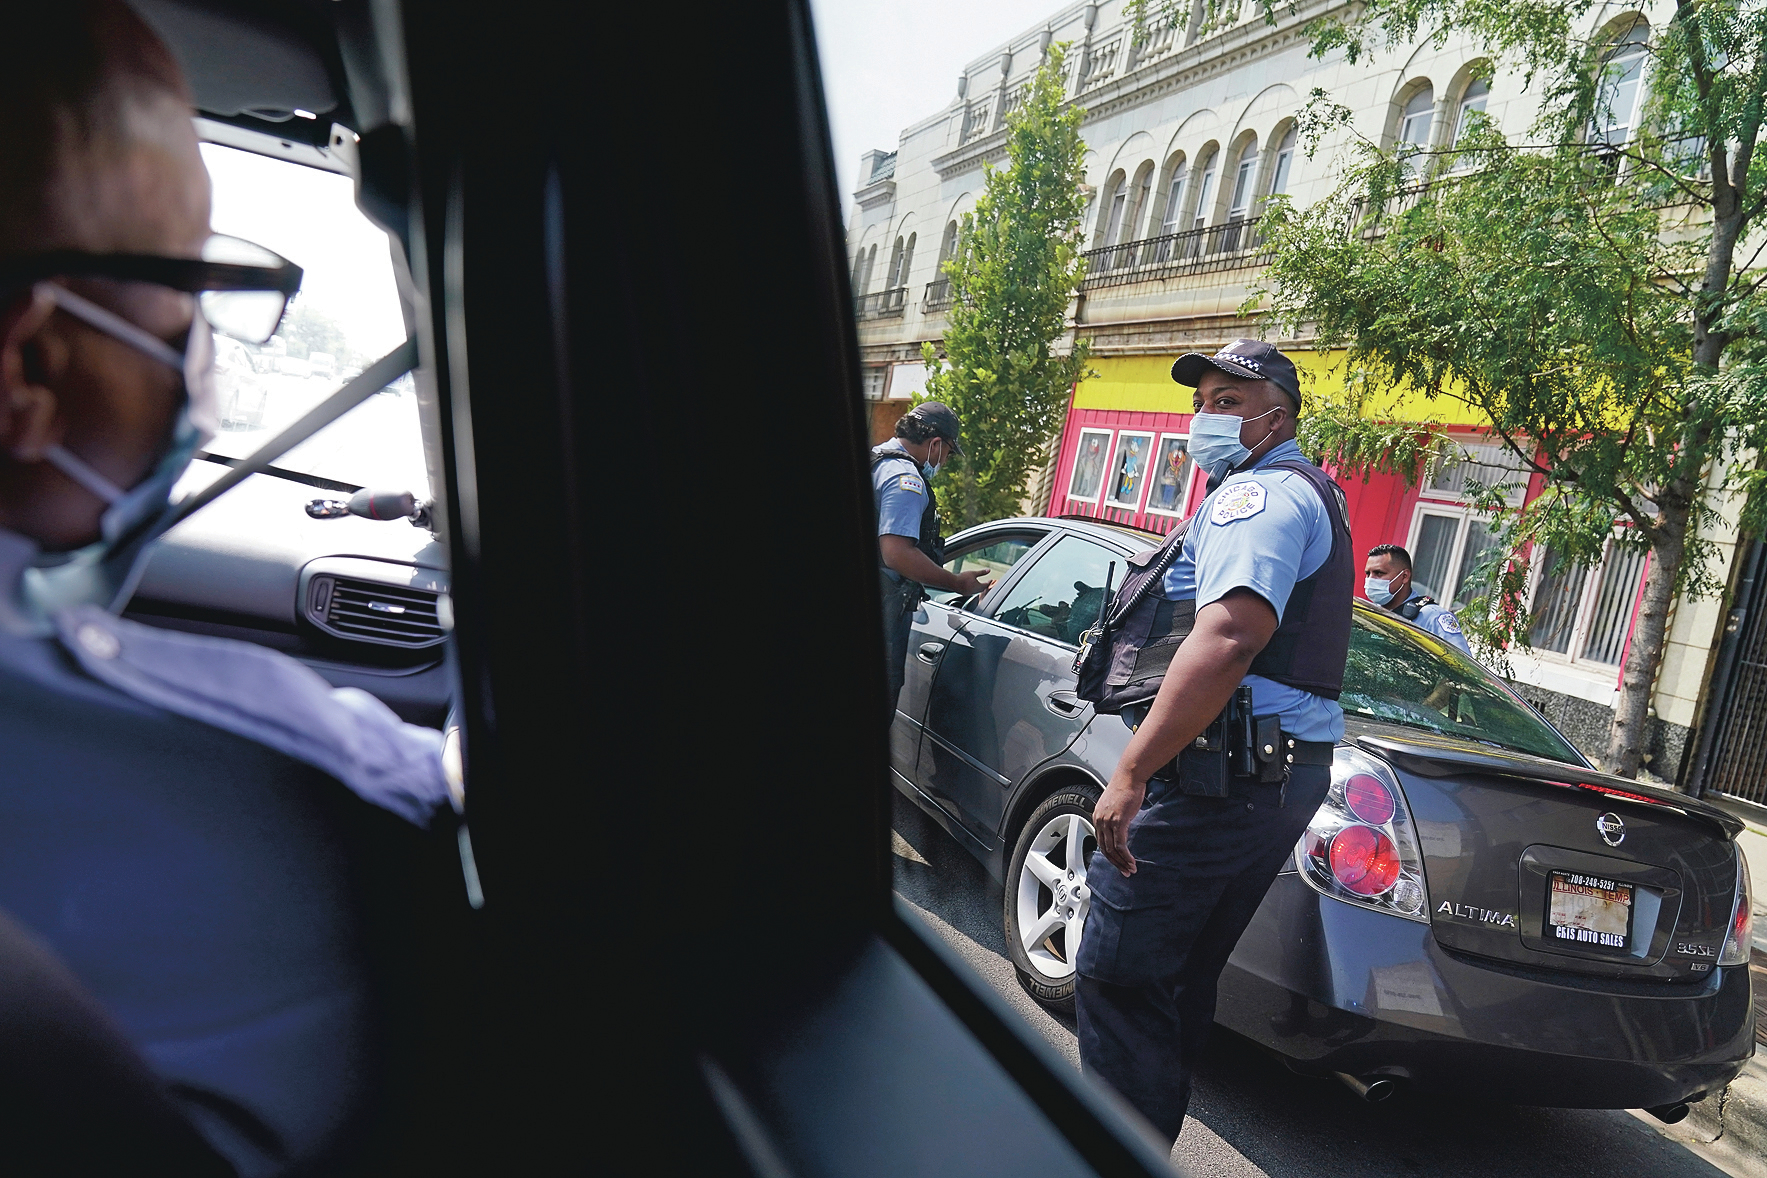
x=1473 y=909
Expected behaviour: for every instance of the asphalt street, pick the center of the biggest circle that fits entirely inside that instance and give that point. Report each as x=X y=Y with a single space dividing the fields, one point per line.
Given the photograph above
x=1251 y=1116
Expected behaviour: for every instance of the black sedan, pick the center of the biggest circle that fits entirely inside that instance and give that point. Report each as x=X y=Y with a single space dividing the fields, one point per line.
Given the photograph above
x=1473 y=909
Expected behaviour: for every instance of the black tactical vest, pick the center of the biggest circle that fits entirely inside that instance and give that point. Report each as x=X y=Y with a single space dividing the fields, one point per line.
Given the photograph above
x=1122 y=663
x=1309 y=647
x=929 y=541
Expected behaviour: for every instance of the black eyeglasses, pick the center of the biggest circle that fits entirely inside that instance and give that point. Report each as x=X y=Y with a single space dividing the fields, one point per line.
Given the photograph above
x=242 y=288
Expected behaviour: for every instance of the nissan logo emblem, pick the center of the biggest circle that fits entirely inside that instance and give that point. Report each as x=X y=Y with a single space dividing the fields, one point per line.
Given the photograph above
x=1611 y=829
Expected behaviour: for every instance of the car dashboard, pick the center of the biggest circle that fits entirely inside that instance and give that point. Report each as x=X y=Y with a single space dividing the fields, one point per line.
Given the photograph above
x=362 y=602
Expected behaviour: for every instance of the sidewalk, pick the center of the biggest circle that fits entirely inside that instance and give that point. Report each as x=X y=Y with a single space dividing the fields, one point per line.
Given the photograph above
x=1729 y=1129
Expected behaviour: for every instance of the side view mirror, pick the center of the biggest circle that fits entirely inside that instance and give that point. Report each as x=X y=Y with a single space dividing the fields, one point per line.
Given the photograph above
x=371 y=504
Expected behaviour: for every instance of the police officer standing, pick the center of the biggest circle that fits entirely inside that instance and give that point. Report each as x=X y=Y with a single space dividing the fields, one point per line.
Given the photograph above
x=910 y=548
x=1387 y=583
x=1268 y=569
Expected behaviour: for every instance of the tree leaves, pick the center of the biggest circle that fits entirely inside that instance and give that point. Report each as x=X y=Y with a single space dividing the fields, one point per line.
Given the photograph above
x=1013 y=278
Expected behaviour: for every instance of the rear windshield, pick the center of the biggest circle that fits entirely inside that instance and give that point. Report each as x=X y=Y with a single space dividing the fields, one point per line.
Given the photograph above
x=1398 y=674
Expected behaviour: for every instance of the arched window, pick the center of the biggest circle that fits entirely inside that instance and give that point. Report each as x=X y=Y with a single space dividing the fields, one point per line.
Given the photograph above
x=1282 y=164
x=1173 y=220
x=1414 y=121
x=907 y=266
x=1205 y=190
x=862 y=270
x=1618 y=102
x=948 y=243
x=895 y=270
x=1245 y=171
x=1473 y=100
x=1114 y=214
x=1138 y=211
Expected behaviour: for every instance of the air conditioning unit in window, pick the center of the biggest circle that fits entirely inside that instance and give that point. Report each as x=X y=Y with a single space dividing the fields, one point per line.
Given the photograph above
x=376 y=601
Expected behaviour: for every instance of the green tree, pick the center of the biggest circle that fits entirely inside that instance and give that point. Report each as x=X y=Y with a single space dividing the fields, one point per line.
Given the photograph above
x=307 y=329
x=1580 y=290
x=1016 y=270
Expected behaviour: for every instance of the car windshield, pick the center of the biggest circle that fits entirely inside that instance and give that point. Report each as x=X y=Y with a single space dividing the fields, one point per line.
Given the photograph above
x=1398 y=674
x=345 y=317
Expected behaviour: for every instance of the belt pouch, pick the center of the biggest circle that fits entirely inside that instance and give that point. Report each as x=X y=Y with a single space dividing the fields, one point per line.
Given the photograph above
x=1267 y=748
x=1202 y=765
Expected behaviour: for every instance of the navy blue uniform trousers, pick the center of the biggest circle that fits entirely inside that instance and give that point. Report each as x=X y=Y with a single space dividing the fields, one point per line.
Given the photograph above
x=1155 y=943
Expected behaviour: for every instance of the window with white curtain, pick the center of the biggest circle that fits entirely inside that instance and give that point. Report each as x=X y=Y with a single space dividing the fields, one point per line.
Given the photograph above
x=1113 y=224
x=1585 y=614
x=1474 y=99
x=1279 y=167
x=1244 y=179
x=1415 y=119
x=1174 y=218
x=1620 y=98
x=1205 y=191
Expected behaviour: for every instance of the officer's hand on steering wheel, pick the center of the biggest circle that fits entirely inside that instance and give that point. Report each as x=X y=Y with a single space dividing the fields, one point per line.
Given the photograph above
x=1116 y=807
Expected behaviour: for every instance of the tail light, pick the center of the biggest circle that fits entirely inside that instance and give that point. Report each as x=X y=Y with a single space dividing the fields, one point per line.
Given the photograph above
x=1742 y=919
x=1361 y=846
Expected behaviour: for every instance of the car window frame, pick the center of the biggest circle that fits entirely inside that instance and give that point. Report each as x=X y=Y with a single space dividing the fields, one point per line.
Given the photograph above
x=1000 y=530
x=1019 y=570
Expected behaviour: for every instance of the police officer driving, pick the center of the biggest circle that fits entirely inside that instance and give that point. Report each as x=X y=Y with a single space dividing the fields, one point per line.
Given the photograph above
x=909 y=545
x=1231 y=757
x=1387 y=583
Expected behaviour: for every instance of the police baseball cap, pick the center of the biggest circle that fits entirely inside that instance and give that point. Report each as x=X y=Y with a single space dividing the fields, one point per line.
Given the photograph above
x=1248 y=359
x=938 y=417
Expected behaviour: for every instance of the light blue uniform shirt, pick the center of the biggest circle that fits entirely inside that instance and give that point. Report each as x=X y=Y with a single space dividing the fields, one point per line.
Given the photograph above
x=1440 y=621
x=901 y=492
x=1267 y=534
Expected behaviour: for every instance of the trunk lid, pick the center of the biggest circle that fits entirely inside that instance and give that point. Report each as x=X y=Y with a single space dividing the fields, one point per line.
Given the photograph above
x=1559 y=867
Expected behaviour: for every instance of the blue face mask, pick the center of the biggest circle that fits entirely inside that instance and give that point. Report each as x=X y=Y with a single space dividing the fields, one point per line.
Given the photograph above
x=1376 y=590
x=104 y=572
x=1214 y=441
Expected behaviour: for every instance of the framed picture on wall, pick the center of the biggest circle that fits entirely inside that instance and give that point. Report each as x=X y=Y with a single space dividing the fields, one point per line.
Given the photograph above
x=1129 y=470
x=1089 y=459
x=1170 y=481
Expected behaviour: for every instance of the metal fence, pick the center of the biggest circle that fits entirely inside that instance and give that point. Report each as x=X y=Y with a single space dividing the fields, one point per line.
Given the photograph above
x=937 y=296
x=1194 y=251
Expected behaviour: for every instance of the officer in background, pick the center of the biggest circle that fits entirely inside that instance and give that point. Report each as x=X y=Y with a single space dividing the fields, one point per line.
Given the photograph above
x=910 y=548
x=1268 y=567
x=1387 y=583
x=184 y=820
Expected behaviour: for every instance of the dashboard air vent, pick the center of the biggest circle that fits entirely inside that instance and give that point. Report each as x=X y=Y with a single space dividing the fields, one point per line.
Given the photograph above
x=392 y=615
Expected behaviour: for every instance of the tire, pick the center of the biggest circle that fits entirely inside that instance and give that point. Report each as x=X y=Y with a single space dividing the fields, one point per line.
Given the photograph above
x=1046 y=894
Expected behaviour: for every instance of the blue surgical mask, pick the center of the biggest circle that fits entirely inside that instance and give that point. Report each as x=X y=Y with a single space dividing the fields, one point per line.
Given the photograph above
x=1376 y=590
x=104 y=572
x=929 y=470
x=1215 y=444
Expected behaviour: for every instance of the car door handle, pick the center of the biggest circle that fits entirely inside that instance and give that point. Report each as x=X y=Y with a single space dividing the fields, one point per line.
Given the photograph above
x=930 y=651
x=1064 y=703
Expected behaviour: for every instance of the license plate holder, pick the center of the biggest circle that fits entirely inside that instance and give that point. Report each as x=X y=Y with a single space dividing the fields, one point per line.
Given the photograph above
x=1589 y=912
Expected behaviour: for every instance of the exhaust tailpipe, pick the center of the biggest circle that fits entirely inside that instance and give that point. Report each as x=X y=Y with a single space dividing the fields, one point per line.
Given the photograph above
x=1669 y=1114
x=1378 y=1088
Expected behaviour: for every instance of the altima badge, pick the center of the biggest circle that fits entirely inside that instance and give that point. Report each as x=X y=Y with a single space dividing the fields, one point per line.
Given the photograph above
x=1611 y=829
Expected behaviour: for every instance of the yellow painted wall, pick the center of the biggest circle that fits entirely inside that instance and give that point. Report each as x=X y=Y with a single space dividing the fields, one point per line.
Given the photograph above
x=1144 y=384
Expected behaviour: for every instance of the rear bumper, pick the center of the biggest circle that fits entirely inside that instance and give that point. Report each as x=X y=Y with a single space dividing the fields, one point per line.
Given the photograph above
x=1332 y=987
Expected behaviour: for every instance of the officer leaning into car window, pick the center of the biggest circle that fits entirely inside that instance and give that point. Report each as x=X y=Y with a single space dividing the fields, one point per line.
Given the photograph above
x=180 y=815
x=910 y=549
x=1269 y=565
x=1387 y=583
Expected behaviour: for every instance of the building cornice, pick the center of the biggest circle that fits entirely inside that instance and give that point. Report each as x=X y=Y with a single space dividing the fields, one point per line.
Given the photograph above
x=1222 y=53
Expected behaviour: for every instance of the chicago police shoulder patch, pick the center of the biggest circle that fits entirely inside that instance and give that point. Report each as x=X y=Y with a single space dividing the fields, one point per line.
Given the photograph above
x=1237 y=501
x=1448 y=623
x=912 y=483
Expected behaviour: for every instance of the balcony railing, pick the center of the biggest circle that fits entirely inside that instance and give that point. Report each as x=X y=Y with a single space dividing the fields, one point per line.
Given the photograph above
x=881 y=304
x=937 y=296
x=1194 y=251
